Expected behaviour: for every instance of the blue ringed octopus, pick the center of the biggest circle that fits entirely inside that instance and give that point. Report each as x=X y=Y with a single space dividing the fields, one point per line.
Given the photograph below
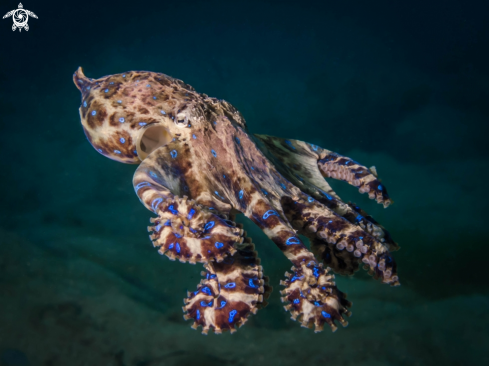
x=199 y=167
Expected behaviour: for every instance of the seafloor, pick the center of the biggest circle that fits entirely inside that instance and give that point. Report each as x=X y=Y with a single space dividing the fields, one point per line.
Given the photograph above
x=81 y=284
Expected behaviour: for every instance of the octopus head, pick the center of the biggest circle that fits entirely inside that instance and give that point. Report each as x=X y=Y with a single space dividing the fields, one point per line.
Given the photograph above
x=127 y=116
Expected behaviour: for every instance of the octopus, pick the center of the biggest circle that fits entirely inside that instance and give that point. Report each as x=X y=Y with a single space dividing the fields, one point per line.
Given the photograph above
x=199 y=168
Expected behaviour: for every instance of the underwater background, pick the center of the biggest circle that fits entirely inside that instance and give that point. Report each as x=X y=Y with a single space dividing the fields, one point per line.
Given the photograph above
x=402 y=85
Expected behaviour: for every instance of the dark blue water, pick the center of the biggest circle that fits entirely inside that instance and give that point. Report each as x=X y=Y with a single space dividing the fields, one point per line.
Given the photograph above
x=399 y=85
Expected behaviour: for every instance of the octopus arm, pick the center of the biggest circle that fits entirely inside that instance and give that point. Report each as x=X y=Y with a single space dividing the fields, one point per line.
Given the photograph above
x=300 y=163
x=312 y=294
x=330 y=164
x=183 y=229
x=339 y=243
x=230 y=291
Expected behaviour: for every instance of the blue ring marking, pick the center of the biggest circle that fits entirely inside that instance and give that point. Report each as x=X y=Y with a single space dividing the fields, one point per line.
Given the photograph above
x=214 y=153
x=147 y=86
x=223 y=303
x=122 y=139
x=323 y=288
x=141 y=185
x=310 y=199
x=119 y=101
x=173 y=154
x=124 y=75
x=194 y=137
x=206 y=291
x=117 y=151
x=154 y=98
x=191 y=214
x=158 y=228
x=170 y=246
x=316 y=272
x=218 y=245
x=241 y=194
x=232 y=314
x=295 y=278
x=142 y=123
x=163 y=112
x=177 y=247
x=296 y=301
x=316 y=303
x=238 y=140
x=252 y=168
x=122 y=120
x=156 y=202
x=153 y=174
x=209 y=225
x=329 y=197
x=314 y=147
x=85 y=104
x=269 y=213
x=283 y=186
x=172 y=210
x=230 y=285
x=198 y=314
x=177 y=235
x=325 y=314
x=250 y=282
x=94 y=113
x=203 y=303
x=290 y=144
x=168 y=223
x=88 y=88
x=359 y=218
x=106 y=90
x=292 y=240
x=379 y=187
x=212 y=276
x=264 y=192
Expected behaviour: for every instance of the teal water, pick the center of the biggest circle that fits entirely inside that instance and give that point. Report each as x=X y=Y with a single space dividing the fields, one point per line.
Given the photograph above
x=399 y=86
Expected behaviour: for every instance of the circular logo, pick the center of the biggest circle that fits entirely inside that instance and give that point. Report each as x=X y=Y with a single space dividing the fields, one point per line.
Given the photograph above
x=20 y=18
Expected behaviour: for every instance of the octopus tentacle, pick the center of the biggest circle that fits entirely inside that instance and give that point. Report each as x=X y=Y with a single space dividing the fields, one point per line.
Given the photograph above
x=298 y=162
x=369 y=224
x=340 y=261
x=184 y=229
x=359 y=217
x=343 y=168
x=334 y=230
x=313 y=297
x=229 y=293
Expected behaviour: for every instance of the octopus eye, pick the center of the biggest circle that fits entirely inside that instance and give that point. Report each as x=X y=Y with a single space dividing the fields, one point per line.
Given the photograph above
x=181 y=120
x=150 y=138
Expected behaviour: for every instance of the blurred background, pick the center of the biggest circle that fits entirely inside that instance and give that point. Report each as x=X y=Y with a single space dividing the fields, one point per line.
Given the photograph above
x=402 y=85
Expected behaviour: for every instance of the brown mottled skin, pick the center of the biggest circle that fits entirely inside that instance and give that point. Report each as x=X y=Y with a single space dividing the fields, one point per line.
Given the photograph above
x=209 y=169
